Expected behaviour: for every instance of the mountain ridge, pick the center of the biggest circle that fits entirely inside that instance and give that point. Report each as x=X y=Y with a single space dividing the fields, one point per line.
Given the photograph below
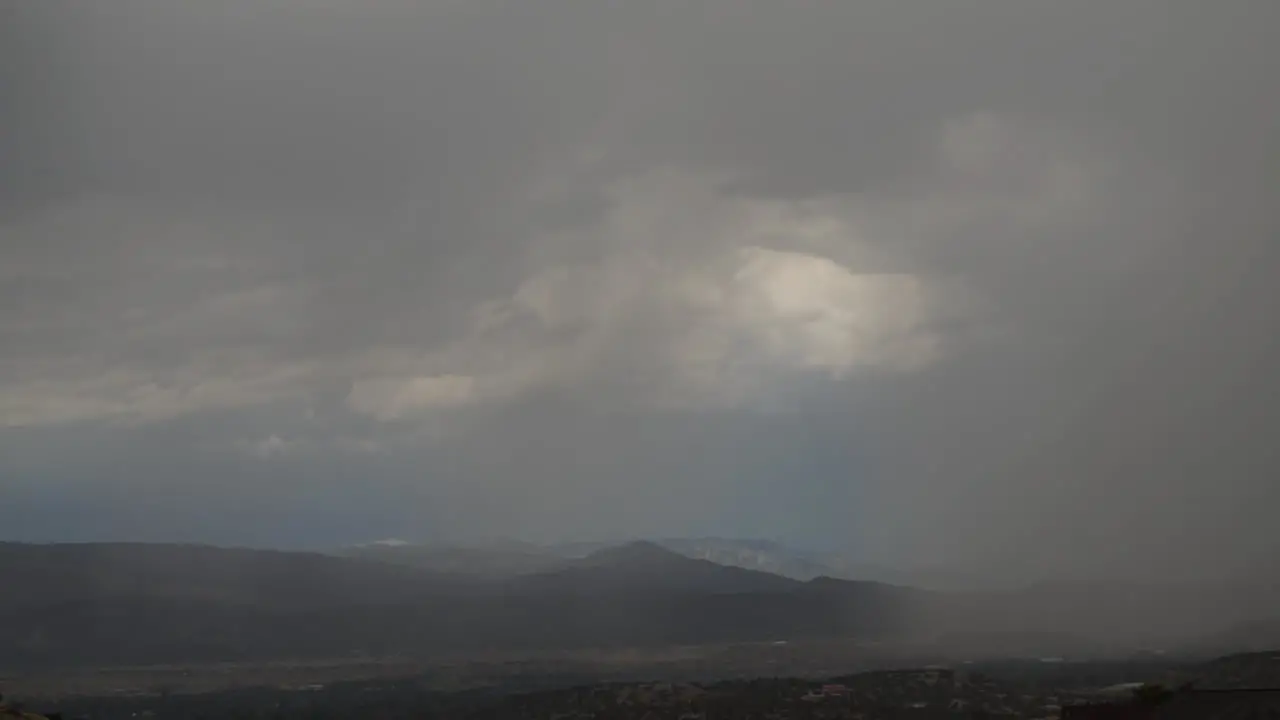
x=641 y=566
x=121 y=603
x=513 y=558
x=148 y=604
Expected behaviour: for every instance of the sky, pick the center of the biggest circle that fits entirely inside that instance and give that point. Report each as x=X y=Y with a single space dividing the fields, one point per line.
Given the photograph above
x=977 y=284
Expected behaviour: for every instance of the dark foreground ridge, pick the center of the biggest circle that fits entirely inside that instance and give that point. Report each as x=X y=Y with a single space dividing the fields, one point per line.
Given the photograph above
x=993 y=690
x=1186 y=704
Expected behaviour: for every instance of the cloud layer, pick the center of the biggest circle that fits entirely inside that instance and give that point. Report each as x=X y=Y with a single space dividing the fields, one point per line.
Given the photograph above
x=976 y=285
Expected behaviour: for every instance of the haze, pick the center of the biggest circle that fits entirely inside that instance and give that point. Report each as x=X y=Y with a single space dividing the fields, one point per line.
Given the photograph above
x=975 y=285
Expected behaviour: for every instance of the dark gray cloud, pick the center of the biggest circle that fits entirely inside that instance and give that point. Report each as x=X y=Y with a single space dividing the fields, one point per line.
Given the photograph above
x=982 y=284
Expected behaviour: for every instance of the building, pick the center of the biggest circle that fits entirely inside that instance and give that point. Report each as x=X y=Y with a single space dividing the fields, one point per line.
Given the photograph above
x=835 y=690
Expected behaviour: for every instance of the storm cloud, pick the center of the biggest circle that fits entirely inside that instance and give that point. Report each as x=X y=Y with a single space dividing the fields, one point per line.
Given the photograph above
x=977 y=283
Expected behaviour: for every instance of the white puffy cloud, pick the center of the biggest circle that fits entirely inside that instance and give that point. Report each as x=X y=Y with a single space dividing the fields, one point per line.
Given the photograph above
x=680 y=292
x=396 y=398
x=270 y=446
x=808 y=311
x=684 y=293
x=681 y=305
x=597 y=260
x=133 y=395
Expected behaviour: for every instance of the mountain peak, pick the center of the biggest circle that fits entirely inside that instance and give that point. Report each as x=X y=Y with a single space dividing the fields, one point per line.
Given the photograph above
x=640 y=552
x=648 y=567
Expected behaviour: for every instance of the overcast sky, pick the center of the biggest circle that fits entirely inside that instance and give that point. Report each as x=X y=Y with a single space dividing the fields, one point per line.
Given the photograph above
x=980 y=284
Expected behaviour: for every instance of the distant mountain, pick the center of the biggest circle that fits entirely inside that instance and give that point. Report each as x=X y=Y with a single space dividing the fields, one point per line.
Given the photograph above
x=644 y=567
x=1241 y=670
x=142 y=604
x=639 y=554
x=643 y=594
x=513 y=558
x=74 y=572
x=112 y=604
x=128 y=603
x=762 y=555
x=776 y=558
x=489 y=561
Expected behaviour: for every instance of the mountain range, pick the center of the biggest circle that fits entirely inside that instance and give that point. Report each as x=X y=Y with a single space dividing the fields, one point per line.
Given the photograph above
x=128 y=604
x=139 y=604
x=505 y=558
